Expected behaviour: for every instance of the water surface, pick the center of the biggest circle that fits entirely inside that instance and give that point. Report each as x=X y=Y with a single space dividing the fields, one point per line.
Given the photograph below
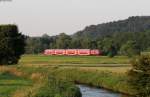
x=96 y=92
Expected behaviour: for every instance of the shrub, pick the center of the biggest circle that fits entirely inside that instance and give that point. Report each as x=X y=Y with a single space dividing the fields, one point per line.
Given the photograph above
x=139 y=76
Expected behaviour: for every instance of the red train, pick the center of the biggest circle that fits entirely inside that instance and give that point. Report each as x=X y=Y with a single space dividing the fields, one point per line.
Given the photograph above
x=73 y=52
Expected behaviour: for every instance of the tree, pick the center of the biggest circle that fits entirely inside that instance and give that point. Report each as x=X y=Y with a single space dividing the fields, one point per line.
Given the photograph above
x=93 y=44
x=75 y=44
x=106 y=45
x=139 y=75
x=85 y=43
x=11 y=44
x=45 y=41
x=130 y=49
x=34 y=45
x=112 y=51
x=63 y=41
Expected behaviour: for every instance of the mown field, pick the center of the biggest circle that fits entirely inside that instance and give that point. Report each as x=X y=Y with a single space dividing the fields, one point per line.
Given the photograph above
x=34 y=59
x=59 y=71
x=82 y=61
x=117 y=64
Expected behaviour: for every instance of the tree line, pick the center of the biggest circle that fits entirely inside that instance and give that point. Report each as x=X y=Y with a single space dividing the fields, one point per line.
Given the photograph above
x=127 y=43
x=123 y=37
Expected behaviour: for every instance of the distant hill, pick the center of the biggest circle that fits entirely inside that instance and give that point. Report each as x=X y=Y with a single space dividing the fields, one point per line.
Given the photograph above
x=132 y=24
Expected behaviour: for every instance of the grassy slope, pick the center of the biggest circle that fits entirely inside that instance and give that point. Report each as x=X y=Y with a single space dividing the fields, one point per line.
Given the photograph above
x=47 y=85
x=100 y=78
x=33 y=82
x=109 y=79
x=100 y=71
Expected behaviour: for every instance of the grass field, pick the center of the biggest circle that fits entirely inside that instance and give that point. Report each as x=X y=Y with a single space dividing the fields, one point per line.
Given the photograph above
x=116 y=64
x=109 y=69
x=100 y=71
x=73 y=60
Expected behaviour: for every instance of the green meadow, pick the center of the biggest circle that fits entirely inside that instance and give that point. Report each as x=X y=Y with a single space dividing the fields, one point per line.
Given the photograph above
x=64 y=71
x=72 y=60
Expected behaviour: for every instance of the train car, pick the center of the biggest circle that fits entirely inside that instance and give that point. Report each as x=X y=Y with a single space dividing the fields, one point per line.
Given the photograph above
x=49 y=52
x=60 y=52
x=84 y=52
x=72 y=52
x=95 y=52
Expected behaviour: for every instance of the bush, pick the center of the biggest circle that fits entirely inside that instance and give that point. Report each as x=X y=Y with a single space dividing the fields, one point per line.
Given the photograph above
x=139 y=76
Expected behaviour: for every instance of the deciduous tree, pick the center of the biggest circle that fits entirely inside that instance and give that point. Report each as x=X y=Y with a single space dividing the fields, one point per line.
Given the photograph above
x=11 y=44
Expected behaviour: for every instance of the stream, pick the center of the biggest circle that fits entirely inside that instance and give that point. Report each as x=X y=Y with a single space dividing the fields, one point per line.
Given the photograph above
x=96 y=92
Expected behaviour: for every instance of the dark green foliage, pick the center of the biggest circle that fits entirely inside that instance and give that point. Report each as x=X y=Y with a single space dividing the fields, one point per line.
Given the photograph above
x=132 y=24
x=112 y=51
x=63 y=41
x=37 y=45
x=11 y=44
x=75 y=43
x=139 y=76
x=130 y=49
x=34 y=45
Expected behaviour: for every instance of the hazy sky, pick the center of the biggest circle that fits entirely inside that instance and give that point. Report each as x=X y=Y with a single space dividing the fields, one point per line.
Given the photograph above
x=36 y=17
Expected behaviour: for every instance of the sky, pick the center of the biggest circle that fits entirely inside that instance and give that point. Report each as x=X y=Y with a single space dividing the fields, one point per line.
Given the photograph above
x=37 y=17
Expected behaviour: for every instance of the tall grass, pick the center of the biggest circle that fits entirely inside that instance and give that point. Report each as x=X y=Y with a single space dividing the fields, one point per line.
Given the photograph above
x=17 y=82
x=10 y=81
x=57 y=88
x=105 y=79
x=47 y=85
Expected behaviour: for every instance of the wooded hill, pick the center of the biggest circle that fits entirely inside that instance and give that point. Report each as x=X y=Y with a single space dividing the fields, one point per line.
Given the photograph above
x=132 y=24
x=123 y=37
